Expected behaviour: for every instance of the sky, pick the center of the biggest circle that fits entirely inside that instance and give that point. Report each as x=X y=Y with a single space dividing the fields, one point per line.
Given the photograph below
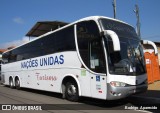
x=17 y=17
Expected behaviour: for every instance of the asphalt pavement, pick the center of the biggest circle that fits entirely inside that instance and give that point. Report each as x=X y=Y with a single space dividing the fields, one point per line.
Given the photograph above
x=35 y=101
x=153 y=92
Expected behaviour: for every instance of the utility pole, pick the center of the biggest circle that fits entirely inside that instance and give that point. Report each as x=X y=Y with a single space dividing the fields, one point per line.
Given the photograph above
x=114 y=7
x=138 y=20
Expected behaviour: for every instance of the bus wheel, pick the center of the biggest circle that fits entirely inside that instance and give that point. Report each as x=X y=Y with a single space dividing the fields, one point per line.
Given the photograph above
x=17 y=83
x=11 y=85
x=71 y=91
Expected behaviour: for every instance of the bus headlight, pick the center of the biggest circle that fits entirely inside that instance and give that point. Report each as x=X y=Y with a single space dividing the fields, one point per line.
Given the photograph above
x=117 y=84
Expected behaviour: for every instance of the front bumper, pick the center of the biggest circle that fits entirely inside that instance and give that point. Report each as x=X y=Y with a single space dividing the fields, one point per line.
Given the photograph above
x=114 y=93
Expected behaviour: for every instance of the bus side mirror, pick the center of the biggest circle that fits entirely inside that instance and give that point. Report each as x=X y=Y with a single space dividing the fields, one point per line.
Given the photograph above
x=114 y=37
x=152 y=44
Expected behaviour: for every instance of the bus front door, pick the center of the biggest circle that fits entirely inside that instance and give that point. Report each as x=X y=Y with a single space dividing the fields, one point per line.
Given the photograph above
x=97 y=65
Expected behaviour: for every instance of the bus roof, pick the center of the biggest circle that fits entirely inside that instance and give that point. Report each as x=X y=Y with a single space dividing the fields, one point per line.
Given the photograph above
x=95 y=18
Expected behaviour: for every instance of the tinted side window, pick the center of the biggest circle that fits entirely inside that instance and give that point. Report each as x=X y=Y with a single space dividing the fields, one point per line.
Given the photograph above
x=62 y=40
x=59 y=41
x=88 y=32
x=5 y=57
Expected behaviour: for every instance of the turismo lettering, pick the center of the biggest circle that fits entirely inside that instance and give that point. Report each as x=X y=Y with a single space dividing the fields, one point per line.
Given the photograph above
x=45 y=77
x=47 y=61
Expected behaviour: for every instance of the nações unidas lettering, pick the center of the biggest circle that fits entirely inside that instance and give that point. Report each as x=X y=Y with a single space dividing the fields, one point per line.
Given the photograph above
x=44 y=61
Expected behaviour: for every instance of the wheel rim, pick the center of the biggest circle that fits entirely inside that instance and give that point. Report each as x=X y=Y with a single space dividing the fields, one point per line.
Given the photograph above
x=17 y=83
x=72 y=90
x=11 y=83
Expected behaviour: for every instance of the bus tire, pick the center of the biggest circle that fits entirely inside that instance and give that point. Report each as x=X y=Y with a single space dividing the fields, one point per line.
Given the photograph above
x=71 y=91
x=11 y=84
x=17 y=83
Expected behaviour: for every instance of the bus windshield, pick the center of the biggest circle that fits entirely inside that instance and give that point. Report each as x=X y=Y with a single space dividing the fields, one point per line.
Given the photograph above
x=130 y=59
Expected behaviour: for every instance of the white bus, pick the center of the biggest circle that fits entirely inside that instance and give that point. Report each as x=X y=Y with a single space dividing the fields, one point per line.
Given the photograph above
x=95 y=57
